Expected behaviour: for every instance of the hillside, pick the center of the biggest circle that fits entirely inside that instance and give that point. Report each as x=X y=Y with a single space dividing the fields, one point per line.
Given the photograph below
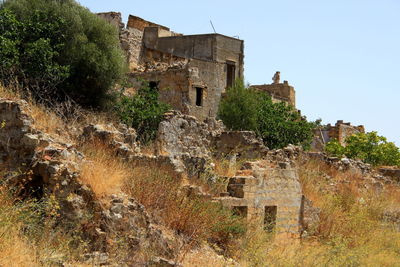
x=83 y=192
x=135 y=145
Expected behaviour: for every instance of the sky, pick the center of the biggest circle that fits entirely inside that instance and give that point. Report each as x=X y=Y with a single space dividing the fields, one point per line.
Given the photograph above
x=342 y=56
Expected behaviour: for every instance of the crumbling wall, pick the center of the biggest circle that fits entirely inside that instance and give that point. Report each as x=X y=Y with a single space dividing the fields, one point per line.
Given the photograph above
x=182 y=135
x=190 y=144
x=267 y=194
x=340 y=132
x=140 y=24
x=17 y=141
x=130 y=38
x=279 y=92
x=49 y=166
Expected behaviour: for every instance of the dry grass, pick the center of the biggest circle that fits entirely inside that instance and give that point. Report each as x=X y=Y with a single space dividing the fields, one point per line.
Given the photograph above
x=15 y=249
x=28 y=237
x=351 y=231
x=197 y=218
x=61 y=120
x=205 y=257
x=226 y=166
x=103 y=171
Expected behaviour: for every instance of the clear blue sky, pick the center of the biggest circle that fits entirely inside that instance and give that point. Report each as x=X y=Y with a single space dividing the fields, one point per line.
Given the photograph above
x=342 y=56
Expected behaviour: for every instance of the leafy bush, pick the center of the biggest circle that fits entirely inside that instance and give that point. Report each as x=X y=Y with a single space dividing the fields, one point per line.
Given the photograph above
x=142 y=111
x=278 y=124
x=58 y=49
x=369 y=147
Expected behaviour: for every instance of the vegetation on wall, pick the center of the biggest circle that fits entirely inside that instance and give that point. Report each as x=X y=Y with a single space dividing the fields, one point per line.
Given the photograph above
x=142 y=111
x=57 y=49
x=278 y=124
x=368 y=147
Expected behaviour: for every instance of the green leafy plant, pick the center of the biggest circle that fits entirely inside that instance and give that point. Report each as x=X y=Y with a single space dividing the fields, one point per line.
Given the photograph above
x=278 y=124
x=369 y=147
x=59 y=49
x=142 y=111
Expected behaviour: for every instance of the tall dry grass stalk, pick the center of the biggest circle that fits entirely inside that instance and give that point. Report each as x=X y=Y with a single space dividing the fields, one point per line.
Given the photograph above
x=103 y=171
x=197 y=218
x=28 y=237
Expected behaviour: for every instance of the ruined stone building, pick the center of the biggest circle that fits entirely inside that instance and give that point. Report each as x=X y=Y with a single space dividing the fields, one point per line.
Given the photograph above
x=279 y=92
x=191 y=72
x=340 y=132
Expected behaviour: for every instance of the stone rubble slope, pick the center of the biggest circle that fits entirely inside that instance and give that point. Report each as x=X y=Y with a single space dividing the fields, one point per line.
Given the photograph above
x=53 y=168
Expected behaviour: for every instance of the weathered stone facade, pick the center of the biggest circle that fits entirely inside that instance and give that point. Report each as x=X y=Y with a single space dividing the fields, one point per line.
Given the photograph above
x=191 y=71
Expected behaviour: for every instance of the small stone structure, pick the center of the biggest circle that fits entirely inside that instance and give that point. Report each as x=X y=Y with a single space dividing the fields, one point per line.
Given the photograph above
x=267 y=194
x=279 y=92
x=340 y=132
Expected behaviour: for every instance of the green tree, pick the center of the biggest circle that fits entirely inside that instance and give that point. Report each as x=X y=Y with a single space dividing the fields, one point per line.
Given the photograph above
x=369 y=147
x=278 y=124
x=142 y=111
x=238 y=108
x=57 y=48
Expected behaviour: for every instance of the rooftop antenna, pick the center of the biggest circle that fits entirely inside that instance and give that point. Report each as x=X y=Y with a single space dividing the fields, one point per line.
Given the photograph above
x=212 y=25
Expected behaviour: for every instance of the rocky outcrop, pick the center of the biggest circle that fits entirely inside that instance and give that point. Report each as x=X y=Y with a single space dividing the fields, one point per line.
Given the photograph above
x=48 y=168
x=46 y=165
x=121 y=139
x=180 y=134
x=190 y=144
x=127 y=221
x=243 y=144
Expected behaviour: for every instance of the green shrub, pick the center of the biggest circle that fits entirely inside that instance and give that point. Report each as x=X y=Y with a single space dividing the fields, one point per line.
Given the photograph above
x=58 y=49
x=142 y=111
x=278 y=124
x=369 y=147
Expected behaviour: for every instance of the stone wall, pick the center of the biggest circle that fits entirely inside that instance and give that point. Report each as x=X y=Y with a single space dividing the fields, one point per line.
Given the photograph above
x=140 y=24
x=281 y=92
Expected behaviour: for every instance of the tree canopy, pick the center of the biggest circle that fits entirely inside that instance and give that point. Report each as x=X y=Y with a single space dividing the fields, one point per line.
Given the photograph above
x=369 y=147
x=57 y=48
x=278 y=124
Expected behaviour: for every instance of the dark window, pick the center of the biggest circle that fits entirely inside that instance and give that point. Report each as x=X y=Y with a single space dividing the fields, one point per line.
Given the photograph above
x=199 y=96
x=230 y=74
x=153 y=85
x=240 y=211
x=270 y=218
